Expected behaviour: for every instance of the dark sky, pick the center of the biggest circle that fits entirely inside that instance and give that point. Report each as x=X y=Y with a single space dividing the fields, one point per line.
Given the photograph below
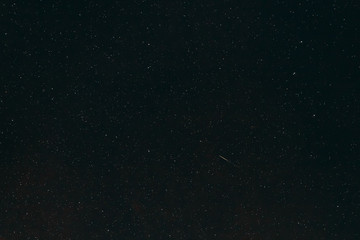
x=114 y=115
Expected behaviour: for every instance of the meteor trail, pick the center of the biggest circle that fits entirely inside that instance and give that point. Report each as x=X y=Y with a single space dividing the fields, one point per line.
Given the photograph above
x=227 y=160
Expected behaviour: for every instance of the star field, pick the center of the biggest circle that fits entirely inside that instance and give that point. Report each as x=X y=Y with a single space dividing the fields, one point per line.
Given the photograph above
x=113 y=118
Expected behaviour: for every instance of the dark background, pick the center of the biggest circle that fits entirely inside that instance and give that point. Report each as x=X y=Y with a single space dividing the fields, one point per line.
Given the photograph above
x=113 y=116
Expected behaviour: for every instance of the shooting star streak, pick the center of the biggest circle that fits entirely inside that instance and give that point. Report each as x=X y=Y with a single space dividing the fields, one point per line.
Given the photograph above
x=224 y=158
x=227 y=160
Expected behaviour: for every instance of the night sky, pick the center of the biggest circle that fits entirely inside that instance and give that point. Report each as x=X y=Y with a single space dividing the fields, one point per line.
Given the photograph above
x=179 y=120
